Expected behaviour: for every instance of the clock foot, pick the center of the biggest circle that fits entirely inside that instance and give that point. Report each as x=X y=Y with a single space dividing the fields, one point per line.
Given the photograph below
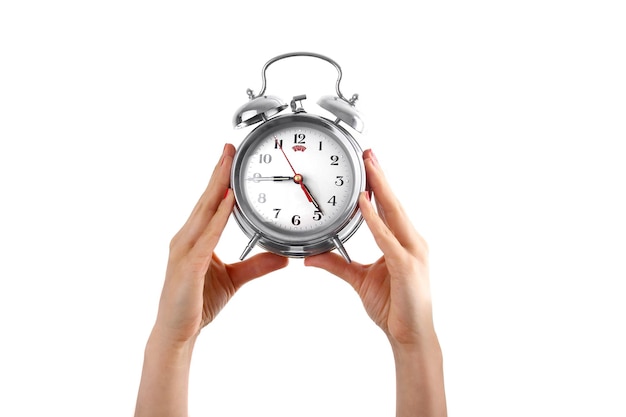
x=341 y=249
x=249 y=246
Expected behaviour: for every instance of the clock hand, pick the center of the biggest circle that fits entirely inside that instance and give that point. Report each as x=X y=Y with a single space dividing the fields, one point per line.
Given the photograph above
x=310 y=196
x=280 y=146
x=271 y=178
x=297 y=178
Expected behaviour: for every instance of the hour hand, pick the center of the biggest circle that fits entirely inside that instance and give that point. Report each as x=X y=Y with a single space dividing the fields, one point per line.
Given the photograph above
x=270 y=178
x=310 y=197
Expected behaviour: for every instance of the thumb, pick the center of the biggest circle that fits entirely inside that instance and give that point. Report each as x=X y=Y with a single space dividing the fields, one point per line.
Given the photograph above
x=254 y=267
x=352 y=272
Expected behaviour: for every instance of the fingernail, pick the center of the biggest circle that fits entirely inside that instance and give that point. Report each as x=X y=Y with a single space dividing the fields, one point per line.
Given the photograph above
x=369 y=154
x=226 y=194
x=223 y=154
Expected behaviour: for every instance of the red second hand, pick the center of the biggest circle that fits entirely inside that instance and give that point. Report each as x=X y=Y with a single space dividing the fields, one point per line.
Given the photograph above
x=280 y=146
x=296 y=177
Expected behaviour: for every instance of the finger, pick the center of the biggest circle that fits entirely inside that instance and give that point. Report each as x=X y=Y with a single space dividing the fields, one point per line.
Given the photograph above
x=331 y=262
x=390 y=209
x=384 y=237
x=219 y=182
x=254 y=267
x=220 y=178
x=202 y=250
x=211 y=198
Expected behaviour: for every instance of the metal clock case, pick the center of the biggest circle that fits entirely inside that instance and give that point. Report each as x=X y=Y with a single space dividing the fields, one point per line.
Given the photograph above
x=297 y=177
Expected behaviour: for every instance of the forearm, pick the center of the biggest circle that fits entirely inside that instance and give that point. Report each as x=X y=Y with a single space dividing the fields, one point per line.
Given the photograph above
x=163 y=391
x=419 y=379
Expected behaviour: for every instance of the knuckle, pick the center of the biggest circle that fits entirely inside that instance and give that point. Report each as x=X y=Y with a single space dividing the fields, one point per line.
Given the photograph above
x=174 y=242
x=178 y=244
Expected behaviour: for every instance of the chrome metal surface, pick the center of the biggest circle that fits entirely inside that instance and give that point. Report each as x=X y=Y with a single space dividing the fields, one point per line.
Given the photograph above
x=297 y=99
x=341 y=249
x=250 y=246
x=343 y=111
x=292 y=54
x=257 y=110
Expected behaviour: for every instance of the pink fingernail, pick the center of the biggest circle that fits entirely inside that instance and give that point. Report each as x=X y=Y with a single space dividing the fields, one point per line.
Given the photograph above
x=369 y=154
x=223 y=154
x=226 y=194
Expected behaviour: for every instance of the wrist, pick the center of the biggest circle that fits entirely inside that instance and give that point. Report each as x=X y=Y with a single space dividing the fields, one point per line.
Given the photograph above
x=426 y=345
x=415 y=332
x=165 y=378
x=419 y=378
x=425 y=353
x=169 y=349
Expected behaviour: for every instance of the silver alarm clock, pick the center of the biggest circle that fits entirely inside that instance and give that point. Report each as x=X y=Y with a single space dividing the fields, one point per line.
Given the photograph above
x=297 y=176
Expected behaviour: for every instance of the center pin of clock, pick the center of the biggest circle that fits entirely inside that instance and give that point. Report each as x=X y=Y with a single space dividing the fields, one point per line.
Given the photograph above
x=297 y=178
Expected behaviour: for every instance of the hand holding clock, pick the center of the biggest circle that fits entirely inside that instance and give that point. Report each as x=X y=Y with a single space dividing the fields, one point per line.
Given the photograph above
x=197 y=283
x=197 y=286
x=395 y=291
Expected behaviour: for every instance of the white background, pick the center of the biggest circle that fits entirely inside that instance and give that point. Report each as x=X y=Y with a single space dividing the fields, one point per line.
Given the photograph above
x=500 y=125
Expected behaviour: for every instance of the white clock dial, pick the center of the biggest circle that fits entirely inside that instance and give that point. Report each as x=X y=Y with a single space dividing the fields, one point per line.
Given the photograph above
x=298 y=179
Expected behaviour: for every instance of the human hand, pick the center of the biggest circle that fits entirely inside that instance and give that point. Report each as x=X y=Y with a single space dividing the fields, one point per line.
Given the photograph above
x=197 y=286
x=395 y=289
x=197 y=283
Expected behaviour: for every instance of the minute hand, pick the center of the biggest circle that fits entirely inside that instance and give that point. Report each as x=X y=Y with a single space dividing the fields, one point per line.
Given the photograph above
x=271 y=178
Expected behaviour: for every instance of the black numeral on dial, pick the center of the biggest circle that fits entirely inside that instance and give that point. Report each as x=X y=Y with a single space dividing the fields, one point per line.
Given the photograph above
x=298 y=138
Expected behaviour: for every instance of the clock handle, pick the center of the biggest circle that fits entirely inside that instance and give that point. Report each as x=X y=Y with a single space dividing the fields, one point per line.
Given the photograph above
x=251 y=94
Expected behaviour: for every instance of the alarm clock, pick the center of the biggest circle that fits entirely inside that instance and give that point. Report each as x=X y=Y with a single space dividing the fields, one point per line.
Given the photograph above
x=297 y=176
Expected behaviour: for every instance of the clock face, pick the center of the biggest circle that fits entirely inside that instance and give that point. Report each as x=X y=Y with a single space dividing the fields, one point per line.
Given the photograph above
x=297 y=179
